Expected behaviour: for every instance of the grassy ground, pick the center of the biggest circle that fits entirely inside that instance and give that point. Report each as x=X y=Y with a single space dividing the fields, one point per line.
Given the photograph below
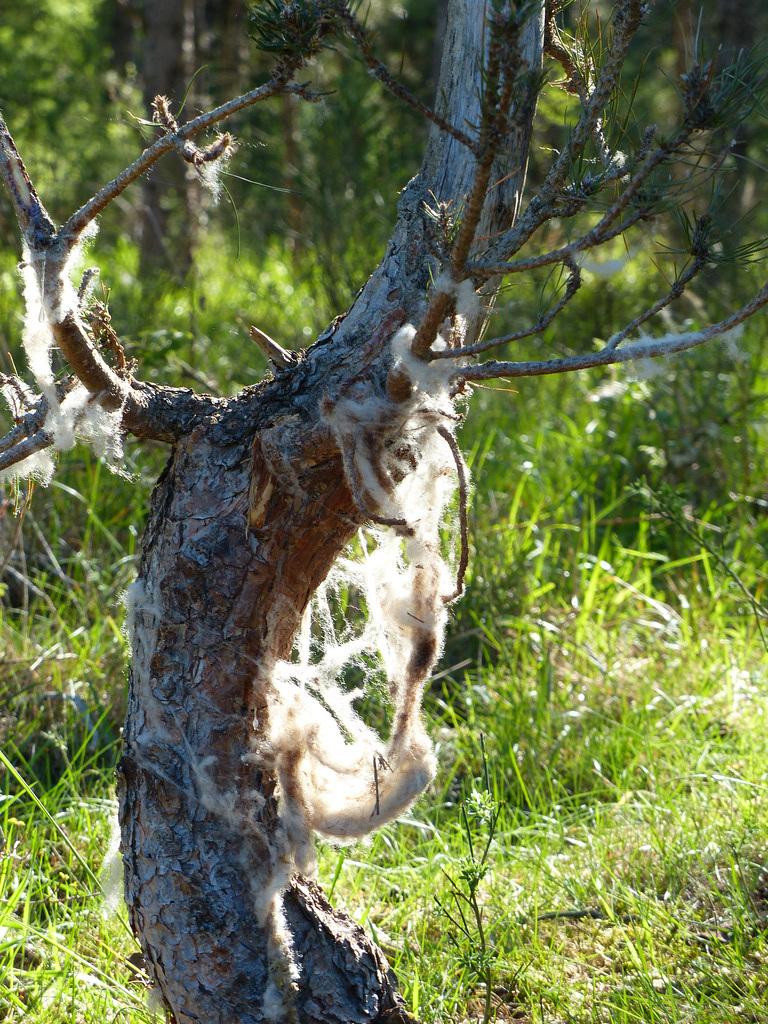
x=595 y=847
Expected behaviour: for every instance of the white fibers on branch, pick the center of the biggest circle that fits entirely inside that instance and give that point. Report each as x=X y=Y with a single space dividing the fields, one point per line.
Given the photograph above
x=111 y=874
x=39 y=466
x=210 y=177
x=50 y=296
x=338 y=777
x=468 y=304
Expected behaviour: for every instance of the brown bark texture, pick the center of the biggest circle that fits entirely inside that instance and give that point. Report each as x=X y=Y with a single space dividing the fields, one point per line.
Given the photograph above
x=250 y=514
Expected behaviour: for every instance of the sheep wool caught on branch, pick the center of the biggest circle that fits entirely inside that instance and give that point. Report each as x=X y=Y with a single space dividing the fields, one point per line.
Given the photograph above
x=73 y=413
x=337 y=777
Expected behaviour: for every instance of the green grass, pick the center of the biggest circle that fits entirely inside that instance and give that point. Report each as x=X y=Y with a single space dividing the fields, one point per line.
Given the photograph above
x=607 y=650
x=626 y=742
x=633 y=788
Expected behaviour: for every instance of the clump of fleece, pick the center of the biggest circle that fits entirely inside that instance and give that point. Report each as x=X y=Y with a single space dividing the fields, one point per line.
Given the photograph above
x=337 y=776
x=49 y=296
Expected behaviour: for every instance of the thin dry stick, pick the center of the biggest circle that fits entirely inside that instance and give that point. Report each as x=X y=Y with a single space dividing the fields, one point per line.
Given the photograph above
x=573 y=285
x=383 y=74
x=375 y=812
x=83 y=217
x=650 y=349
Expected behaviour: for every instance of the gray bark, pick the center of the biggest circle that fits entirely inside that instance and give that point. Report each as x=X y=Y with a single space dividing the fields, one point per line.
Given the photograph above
x=246 y=521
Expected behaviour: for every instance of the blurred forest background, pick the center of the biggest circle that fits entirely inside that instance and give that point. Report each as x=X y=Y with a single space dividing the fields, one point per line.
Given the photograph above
x=600 y=708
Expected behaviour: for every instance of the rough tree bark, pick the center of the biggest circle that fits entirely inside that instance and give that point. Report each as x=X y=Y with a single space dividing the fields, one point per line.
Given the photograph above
x=221 y=600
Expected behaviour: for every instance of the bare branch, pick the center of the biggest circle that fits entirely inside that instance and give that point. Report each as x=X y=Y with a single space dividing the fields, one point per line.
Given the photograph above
x=149 y=411
x=29 y=412
x=674 y=292
x=651 y=348
x=302 y=90
x=29 y=446
x=281 y=358
x=88 y=364
x=598 y=235
x=33 y=217
x=606 y=228
x=572 y=286
x=174 y=140
x=575 y=84
x=383 y=74
x=627 y=18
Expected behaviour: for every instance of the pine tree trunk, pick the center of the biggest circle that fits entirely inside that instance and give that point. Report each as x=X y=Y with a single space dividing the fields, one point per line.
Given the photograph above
x=246 y=521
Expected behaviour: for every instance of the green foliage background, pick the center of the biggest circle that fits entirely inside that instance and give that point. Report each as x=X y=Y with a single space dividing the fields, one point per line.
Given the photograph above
x=609 y=647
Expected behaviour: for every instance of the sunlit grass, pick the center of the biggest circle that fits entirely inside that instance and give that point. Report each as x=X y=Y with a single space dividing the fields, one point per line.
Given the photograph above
x=603 y=651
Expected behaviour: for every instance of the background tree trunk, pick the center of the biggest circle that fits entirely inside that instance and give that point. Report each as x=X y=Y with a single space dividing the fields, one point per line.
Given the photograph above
x=169 y=62
x=218 y=601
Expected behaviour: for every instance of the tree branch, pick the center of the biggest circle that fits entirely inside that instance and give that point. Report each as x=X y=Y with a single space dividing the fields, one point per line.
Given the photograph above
x=146 y=410
x=573 y=285
x=509 y=92
x=674 y=292
x=576 y=83
x=627 y=18
x=10 y=455
x=646 y=349
x=35 y=222
x=384 y=75
x=276 y=84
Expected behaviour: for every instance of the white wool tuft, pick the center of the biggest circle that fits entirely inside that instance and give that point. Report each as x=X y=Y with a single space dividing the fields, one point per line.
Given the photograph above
x=730 y=340
x=467 y=300
x=432 y=379
x=338 y=777
x=445 y=283
x=50 y=296
x=468 y=304
x=154 y=998
x=111 y=876
x=39 y=466
x=210 y=174
x=37 y=336
x=272 y=1007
